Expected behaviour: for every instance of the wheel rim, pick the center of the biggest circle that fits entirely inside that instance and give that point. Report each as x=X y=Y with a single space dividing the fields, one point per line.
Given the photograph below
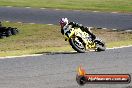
x=78 y=43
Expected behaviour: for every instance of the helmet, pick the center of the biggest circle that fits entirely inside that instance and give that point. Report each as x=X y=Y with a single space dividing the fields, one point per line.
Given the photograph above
x=63 y=22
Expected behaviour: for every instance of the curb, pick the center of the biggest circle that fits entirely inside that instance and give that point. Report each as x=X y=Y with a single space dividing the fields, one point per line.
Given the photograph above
x=24 y=22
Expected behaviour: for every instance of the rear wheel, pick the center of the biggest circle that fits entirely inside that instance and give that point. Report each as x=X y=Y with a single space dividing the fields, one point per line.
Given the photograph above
x=100 y=45
x=77 y=44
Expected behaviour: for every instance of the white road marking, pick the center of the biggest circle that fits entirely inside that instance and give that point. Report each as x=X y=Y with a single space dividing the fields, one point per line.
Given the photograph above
x=128 y=30
x=9 y=6
x=7 y=57
x=42 y=8
x=77 y=10
x=114 y=29
x=96 y=11
x=119 y=47
x=104 y=28
x=57 y=9
x=28 y=23
x=28 y=7
x=19 y=22
x=7 y=21
x=31 y=23
x=50 y=24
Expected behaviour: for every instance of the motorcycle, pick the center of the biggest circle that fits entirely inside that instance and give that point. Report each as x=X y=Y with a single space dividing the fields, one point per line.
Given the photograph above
x=81 y=41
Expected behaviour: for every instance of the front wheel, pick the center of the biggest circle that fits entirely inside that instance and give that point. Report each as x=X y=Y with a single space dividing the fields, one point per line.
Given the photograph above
x=77 y=44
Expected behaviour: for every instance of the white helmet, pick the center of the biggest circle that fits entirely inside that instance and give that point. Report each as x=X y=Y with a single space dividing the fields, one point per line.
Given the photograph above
x=63 y=22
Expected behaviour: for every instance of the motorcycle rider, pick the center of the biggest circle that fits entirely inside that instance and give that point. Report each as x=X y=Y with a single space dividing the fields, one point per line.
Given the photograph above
x=65 y=24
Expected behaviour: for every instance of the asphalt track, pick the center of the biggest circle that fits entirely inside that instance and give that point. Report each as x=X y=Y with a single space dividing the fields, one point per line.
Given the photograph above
x=52 y=16
x=58 y=70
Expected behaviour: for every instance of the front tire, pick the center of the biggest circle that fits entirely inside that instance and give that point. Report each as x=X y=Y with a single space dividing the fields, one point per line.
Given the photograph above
x=77 y=44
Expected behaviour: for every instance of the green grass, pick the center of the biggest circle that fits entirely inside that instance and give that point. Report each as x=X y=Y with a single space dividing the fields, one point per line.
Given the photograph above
x=40 y=38
x=119 y=43
x=102 y=5
x=33 y=38
x=115 y=38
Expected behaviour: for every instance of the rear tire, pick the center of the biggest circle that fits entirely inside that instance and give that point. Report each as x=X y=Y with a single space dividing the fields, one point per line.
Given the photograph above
x=100 y=45
x=101 y=48
x=77 y=47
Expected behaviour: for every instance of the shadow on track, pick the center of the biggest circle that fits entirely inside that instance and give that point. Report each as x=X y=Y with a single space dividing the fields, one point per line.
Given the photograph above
x=70 y=52
x=54 y=53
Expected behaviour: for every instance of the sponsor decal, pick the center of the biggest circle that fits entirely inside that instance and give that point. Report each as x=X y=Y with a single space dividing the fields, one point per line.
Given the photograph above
x=83 y=78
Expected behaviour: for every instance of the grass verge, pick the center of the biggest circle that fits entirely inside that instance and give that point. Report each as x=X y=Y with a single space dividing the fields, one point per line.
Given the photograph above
x=40 y=38
x=102 y=5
